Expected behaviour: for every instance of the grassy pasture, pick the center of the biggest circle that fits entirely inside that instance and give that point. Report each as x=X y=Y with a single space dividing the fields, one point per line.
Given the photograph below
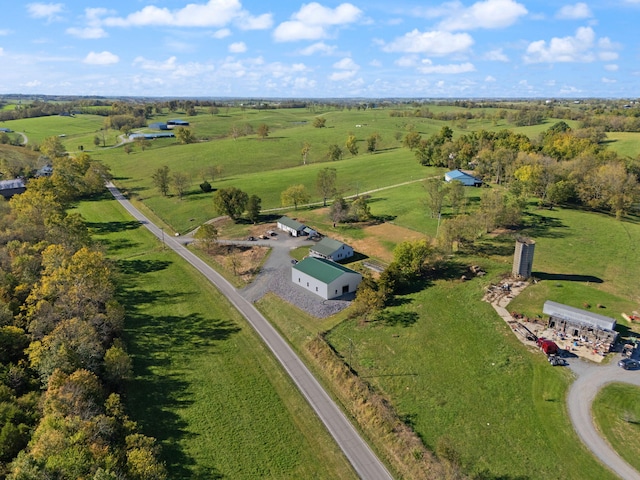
x=616 y=411
x=204 y=385
x=78 y=130
x=625 y=143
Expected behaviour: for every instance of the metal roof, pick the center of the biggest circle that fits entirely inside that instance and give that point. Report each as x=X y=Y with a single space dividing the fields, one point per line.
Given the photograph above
x=459 y=175
x=291 y=223
x=324 y=270
x=327 y=246
x=577 y=315
x=9 y=184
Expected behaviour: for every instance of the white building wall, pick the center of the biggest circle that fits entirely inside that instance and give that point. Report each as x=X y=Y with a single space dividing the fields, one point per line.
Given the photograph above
x=309 y=283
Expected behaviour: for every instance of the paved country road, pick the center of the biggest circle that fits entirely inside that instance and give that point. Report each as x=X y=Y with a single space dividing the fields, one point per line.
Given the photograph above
x=359 y=454
x=591 y=378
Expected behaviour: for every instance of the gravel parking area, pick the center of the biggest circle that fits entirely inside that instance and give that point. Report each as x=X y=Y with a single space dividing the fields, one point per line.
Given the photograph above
x=275 y=277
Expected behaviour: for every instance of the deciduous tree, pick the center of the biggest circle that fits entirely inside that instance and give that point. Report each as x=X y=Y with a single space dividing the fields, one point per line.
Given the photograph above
x=352 y=145
x=230 y=201
x=207 y=235
x=185 y=135
x=254 y=205
x=326 y=183
x=162 y=179
x=319 y=122
x=294 y=195
x=335 y=152
x=180 y=182
x=263 y=130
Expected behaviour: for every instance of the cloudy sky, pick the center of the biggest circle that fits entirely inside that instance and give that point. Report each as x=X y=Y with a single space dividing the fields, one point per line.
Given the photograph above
x=285 y=48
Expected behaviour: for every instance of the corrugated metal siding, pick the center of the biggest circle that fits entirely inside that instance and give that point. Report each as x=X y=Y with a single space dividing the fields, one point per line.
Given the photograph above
x=565 y=312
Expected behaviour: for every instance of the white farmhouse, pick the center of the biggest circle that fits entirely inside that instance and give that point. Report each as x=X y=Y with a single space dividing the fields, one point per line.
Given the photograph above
x=331 y=250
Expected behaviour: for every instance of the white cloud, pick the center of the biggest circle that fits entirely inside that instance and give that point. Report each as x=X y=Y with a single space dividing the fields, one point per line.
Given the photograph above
x=488 y=14
x=342 y=75
x=50 y=11
x=346 y=64
x=428 y=67
x=168 y=65
x=490 y=79
x=430 y=43
x=4 y=32
x=496 y=55
x=261 y=22
x=608 y=80
x=214 y=13
x=1 y=51
x=318 y=47
x=407 y=61
x=32 y=84
x=574 y=12
x=222 y=33
x=101 y=58
x=347 y=69
x=238 y=47
x=375 y=63
x=87 y=32
x=313 y=20
x=611 y=67
x=567 y=49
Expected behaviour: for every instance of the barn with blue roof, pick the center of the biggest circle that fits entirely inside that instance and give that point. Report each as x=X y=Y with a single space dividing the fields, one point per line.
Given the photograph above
x=463 y=177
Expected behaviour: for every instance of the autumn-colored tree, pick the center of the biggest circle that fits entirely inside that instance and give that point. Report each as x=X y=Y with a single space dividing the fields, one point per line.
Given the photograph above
x=352 y=145
x=319 y=122
x=254 y=205
x=180 y=182
x=207 y=235
x=185 y=135
x=263 y=130
x=306 y=148
x=294 y=195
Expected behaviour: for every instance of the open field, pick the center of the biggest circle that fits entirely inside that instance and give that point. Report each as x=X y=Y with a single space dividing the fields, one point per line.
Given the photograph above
x=617 y=414
x=627 y=144
x=204 y=385
x=451 y=368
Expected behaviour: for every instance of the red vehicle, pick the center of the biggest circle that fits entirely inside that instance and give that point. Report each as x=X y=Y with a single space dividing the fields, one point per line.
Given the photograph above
x=549 y=347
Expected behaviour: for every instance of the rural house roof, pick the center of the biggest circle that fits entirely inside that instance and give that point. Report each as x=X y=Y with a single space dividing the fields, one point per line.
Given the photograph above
x=9 y=184
x=460 y=175
x=327 y=246
x=324 y=270
x=576 y=315
x=291 y=223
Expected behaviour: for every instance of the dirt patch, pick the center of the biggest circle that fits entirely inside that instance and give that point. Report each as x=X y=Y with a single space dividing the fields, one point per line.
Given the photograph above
x=243 y=261
x=377 y=235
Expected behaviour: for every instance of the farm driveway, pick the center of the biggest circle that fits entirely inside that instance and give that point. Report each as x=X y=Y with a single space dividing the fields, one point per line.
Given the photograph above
x=359 y=454
x=591 y=377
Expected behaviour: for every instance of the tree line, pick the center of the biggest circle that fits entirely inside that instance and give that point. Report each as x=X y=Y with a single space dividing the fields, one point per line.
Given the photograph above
x=63 y=364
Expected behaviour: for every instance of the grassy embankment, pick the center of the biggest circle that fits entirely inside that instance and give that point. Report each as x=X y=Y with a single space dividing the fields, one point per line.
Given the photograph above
x=204 y=384
x=617 y=414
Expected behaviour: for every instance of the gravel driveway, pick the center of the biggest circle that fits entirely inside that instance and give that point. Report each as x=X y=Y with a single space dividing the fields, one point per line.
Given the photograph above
x=275 y=277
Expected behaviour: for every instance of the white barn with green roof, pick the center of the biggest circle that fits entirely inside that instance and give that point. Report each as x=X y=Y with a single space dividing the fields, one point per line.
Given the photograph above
x=291 y=226
x=331 y=250
x=325 y=278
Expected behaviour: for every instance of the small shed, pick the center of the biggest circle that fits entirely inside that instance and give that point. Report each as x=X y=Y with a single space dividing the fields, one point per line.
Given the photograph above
x=291 y=226
x=5 y=130
x=582 y=324
x=9 y=188
x=463 y=177
x=159 y=126
x=331 y=250
x=325 y=278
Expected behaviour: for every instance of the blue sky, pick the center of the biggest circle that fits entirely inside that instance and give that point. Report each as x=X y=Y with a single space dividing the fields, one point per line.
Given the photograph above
x=283 y=48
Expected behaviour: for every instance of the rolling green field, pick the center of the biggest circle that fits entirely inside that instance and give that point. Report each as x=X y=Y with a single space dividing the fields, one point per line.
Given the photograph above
x=450 y=366
x=617 y=414
x=204 y=384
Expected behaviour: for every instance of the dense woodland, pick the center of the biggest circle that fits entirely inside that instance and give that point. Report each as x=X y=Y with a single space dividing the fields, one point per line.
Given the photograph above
x=62 y=363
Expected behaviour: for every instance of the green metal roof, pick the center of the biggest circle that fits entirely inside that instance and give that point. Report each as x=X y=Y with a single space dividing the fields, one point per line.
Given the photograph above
x=291 y=223
x=324 y=270
x=327 y=246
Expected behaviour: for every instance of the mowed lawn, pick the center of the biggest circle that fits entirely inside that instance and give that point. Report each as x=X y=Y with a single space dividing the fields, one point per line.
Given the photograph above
x=455 y=372
x=616 y=411
x=204 y=384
